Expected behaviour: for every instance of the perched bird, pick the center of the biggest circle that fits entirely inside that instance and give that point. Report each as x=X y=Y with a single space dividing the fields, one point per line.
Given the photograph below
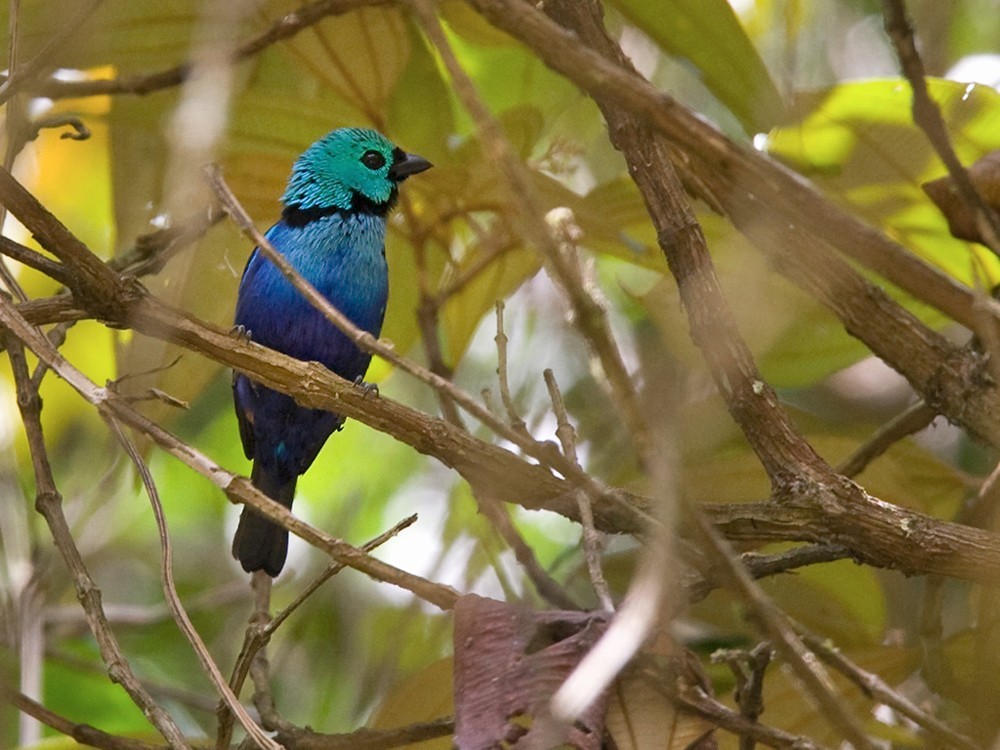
x=332 y=230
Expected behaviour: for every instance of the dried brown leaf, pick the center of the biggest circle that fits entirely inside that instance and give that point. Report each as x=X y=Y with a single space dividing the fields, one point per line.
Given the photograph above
x=985 y=175
x=509 y=660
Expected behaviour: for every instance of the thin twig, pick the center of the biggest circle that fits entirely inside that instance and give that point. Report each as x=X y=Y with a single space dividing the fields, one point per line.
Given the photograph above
x=85 y=734
x=33 y=259
x=695 y=700
x=748 y=668
x=192 y=699
x=152 y=251
x=427 y=318
x=632 y=624
x=480 y=262
x=498 y=514
x=147 y=256
x=332 y=570
x=774 y=624
x=263 y=699
x=369 y=739
x=14 y=126
x=704 y=579
x=260 y=584
x=262 y=628
x=174 y=602
x=982 y=509
x=57 y=42
x=428 y=314
x=78 y=128
x=911 y=420
x=503 y=524
x=495 y=511
x=501 y=340
x=654 y=594
x=260 y=665
x=875 y=687
x=592 y=542
x=577 y=280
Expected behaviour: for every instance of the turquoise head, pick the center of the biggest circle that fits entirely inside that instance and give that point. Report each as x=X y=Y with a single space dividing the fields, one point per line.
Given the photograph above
x=350 y=169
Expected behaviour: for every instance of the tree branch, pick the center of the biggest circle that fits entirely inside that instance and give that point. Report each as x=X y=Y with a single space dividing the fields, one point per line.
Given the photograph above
x=877 y=533
x=238 y=489
x=180 y=616
x=48 y=502
x=85 y=734
x=800 y=229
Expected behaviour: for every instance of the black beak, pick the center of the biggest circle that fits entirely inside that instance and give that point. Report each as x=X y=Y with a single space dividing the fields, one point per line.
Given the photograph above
x=404 y=164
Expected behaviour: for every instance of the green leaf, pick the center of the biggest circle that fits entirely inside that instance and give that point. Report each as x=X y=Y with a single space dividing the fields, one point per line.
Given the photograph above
x=839 y=600
x=859 y=143
x=463 y=312
x=785 y=706
x=615 y=221
x=794 y=338
x=135 y=36
x=508 y=76
x=359 y=57
x=709 y=35
x=421 y=90
x=720 y=467
x=72 y=691
x=424 y=696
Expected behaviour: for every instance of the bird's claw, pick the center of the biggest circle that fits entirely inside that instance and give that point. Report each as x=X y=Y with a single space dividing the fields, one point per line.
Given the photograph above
x=240 y=333
x=370 y=389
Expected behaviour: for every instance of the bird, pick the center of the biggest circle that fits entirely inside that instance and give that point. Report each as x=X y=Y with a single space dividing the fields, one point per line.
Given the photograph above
x=332 y=230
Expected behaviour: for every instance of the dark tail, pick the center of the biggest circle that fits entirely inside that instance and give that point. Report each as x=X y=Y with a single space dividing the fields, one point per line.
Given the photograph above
x=260 y=544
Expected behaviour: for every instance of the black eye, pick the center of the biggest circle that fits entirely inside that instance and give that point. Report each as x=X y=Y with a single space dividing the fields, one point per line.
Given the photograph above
x=373 y=160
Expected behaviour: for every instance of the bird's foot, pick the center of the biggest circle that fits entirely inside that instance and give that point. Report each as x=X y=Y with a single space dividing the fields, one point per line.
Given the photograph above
x=240 y=333
x=370 y=389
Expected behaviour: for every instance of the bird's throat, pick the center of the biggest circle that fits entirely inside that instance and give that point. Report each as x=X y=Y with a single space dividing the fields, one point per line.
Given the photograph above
x=296 y=215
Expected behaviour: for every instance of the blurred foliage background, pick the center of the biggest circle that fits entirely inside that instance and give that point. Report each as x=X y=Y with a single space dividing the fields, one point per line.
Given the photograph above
x=815 y=84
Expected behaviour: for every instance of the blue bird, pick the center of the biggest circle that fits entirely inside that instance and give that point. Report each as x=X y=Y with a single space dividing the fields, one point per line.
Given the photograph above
x=332 y=230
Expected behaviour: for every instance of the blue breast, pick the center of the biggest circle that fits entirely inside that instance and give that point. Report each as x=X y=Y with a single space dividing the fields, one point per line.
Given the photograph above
x=343 y=257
